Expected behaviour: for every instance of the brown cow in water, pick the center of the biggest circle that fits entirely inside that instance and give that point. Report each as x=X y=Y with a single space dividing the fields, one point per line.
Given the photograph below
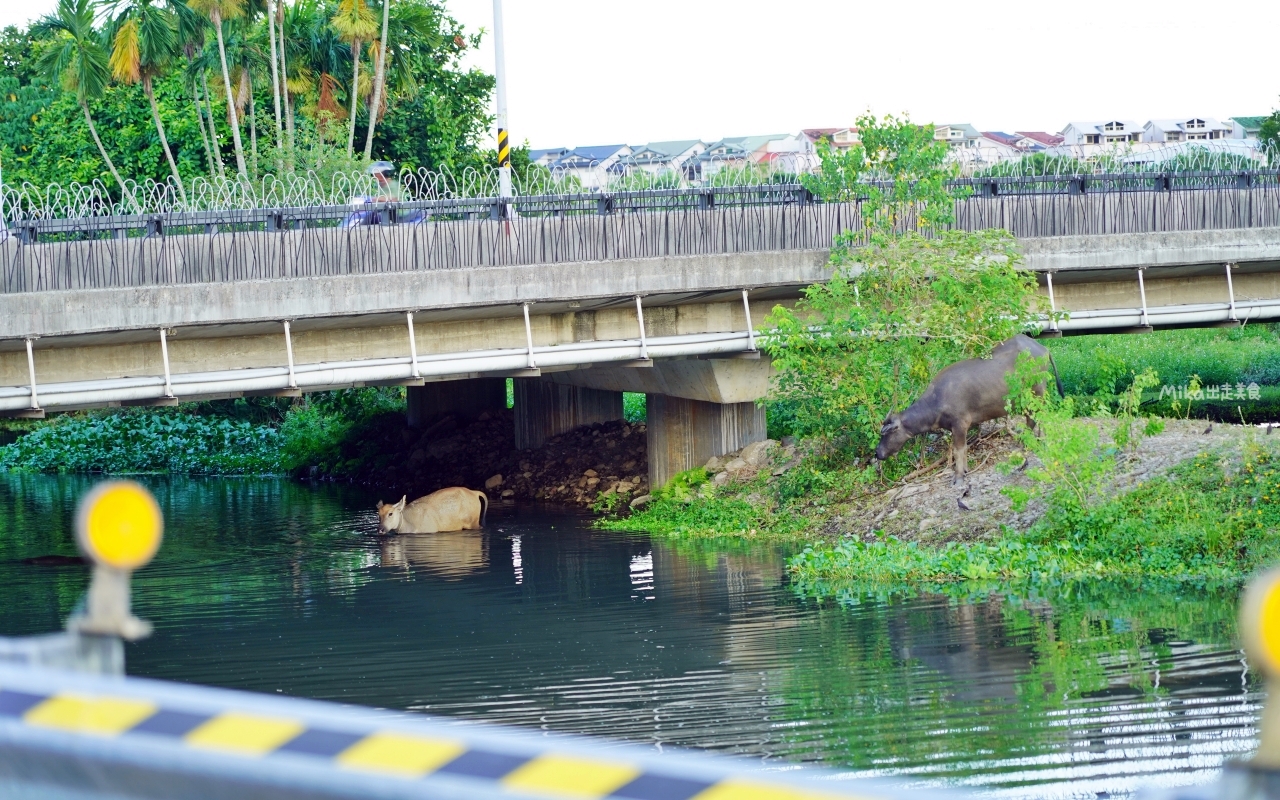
x=964 y=394
x=451 y=509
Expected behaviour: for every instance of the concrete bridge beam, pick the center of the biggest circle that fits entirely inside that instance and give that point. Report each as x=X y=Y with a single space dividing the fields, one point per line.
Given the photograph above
x=710 y=380
x=697 y=408
x=544 y=409
x=683 y=433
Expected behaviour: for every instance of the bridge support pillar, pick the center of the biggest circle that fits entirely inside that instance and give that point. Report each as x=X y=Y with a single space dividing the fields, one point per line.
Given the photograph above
x=466 y=399
x=544 y=409
x=684 y=434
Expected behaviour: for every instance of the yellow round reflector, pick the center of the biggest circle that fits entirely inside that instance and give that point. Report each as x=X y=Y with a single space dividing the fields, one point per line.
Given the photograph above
x=1260 y=622
x=119 y=525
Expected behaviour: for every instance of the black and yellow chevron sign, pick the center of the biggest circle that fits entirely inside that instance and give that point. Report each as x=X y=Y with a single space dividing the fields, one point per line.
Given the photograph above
x=543 y=770
x=504 y=148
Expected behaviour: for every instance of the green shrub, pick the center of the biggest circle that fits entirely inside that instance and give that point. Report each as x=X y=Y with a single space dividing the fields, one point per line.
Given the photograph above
x=149 y=440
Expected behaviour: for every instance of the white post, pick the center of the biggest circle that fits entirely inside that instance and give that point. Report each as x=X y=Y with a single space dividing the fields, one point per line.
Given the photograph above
x=413 y=347
x=1231 y=296
x=164 y=353
x=644 y=345
x=1142 y=289
x=751 y=331
x=31 y=368
x=288 y=346
x=500 y=75
x=1053 y=305
x=528 y=335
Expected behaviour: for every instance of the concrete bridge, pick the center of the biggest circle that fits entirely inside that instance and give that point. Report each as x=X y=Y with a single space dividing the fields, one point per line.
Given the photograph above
x=578 y=307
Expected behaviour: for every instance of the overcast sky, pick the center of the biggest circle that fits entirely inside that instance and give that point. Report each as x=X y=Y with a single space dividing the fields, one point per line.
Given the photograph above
x=589 y=72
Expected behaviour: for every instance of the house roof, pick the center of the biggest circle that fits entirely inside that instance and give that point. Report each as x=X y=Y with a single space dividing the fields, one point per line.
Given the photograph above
x=1249 y=123
x=970 y=132
x=1047 y=139
x=556 y=152
x=595 y=153
x=1130 y=126
x=1002 y=137
x=668 y=149
x=1180 y=124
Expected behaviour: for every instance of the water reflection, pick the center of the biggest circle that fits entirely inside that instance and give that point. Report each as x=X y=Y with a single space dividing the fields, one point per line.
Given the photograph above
x=540 y=622
x=453 y=555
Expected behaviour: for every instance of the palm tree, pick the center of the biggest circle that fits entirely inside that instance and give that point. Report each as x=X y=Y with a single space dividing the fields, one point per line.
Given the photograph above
x=275 y=78
x=217 y=11
x=355 y=23
x=78 y=61
x=143 y=45
x=378 y=79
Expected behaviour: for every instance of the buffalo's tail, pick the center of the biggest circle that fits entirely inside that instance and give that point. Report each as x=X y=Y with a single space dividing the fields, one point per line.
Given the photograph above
x=484 y=506
x=1056 y=379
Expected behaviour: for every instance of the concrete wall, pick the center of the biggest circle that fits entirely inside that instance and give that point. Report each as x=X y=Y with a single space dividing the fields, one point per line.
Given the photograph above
x=154 y=307
x=1131 y=250
x=190 y=351
x=683 y=434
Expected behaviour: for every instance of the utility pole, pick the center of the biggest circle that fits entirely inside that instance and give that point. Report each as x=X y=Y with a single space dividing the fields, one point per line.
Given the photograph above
x=500 y=70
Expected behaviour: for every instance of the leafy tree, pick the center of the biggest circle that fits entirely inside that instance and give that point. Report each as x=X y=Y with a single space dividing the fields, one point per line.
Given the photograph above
x=894 y=313
x=78 y=61
x=898 y=172
x=1269 y=135
x=375 y=105
x=355 y=23
x=901 y=305
x=144 y=42
x=218 y=11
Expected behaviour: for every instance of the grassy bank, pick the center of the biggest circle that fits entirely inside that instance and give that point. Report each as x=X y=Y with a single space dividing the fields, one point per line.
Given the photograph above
x=1210 y=517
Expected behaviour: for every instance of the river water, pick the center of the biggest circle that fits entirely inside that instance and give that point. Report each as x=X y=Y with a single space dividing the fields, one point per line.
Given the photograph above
x=541 y=622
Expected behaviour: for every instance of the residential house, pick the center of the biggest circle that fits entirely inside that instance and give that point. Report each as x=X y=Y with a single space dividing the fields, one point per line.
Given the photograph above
x=590 y=165
x=1246 y=127
x=958 y=135
x=839 y=138
x=659 y=157
x=1012 y=144
x=543 y=158
x=1185 y=130
x=1112 y=132
x=730 y=152
x=1042 y=138
x=1024 y=141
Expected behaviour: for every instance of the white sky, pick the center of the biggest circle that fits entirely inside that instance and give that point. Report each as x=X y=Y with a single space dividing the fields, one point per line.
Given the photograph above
x=584 y=72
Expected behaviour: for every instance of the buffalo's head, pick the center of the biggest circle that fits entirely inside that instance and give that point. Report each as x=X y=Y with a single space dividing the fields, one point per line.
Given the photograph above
x=892 y=436
x=389 y=515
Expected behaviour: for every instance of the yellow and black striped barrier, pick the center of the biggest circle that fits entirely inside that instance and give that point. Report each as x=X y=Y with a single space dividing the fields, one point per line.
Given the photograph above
x=120 y=736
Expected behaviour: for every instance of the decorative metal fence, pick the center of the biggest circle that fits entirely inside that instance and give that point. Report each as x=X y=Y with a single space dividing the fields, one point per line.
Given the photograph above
x=41 y=253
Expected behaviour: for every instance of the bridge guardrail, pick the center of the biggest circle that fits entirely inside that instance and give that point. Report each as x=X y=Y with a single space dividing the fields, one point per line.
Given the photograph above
x=266 y=244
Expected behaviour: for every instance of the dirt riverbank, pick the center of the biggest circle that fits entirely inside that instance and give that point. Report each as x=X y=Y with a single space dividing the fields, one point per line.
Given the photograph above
x=927 y=509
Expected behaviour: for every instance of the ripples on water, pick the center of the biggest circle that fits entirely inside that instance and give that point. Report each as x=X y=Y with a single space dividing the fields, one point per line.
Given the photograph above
x=540 y=622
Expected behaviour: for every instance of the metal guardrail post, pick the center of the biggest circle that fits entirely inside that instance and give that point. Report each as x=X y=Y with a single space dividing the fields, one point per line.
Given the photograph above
x=31 y=368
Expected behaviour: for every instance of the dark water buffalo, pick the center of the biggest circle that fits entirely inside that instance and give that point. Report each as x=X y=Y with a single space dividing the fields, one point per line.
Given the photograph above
x=964 y=394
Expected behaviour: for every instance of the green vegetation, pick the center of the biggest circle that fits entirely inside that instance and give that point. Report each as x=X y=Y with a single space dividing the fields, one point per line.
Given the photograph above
x=224 y=438
x=1212 y=518
x=137 y=90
